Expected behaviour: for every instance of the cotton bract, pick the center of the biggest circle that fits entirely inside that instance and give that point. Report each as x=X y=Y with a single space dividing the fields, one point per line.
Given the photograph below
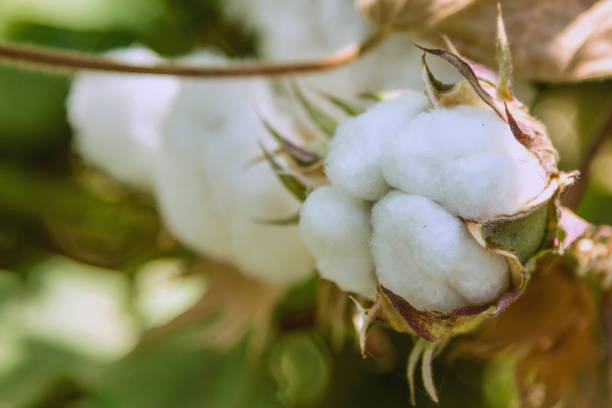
x=427 y=170
x=116 y=118
x=212 y=190
x=336 y=229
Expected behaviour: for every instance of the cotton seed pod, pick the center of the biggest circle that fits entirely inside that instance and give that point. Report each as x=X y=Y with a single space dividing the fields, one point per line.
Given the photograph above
x=336 y=229
x=212 y=193
x=354 y=160
x=116 y=118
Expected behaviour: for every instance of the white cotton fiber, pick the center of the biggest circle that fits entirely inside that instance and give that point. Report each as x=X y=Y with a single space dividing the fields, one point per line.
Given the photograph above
x=426 y=255
x=354 y=161
x=209 y=195
x=336 y=229
x=116 y=118
x=466 y=159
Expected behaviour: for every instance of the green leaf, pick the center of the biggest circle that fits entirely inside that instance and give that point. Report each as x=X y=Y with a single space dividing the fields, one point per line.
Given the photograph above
x=345 y=106
x=302 y=156
x=292 y=220
x=324 y=122
x=504 y=58
x=292 y=184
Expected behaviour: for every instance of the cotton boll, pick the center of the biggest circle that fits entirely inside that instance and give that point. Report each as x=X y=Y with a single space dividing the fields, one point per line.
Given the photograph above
x=425 y=254
x=336 y=229
x=116 y=118
x=466 y=159
x=355 y=152
x=211 y=195
x=269 y=252
x=291 y=30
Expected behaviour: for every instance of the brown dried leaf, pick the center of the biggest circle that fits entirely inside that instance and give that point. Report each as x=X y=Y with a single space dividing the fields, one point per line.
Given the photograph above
x=551 y=40
x=552 y=327
x=403 y=14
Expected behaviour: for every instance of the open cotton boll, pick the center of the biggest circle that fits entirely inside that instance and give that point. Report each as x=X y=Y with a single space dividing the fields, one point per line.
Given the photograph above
x=426 y=255
x=336 y=228
x=466 y=159
x=354 y=161
x=116 y=118
x=209 y=195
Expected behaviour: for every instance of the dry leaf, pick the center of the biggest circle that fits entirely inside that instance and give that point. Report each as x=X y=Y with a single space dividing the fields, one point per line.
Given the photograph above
x=551 y=40
x=553 y=328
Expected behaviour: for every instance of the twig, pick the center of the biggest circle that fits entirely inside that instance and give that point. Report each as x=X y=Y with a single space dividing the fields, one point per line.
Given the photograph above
x=42 y=58
x=574 y=195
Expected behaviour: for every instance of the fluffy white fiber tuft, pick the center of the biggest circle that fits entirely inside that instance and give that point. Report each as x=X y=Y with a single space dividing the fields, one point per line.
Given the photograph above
x=209 y=195
x=116 y=118
x=336 y=229
x=354 y=161
x=466 y=159
x=425 y=254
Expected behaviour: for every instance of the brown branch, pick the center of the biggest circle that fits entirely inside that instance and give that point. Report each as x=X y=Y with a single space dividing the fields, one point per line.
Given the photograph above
x=574 y=195
x=42 y=58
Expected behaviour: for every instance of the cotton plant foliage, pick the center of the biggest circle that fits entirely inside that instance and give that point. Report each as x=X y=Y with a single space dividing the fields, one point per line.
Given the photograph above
x=213 y=191
x=116 y=118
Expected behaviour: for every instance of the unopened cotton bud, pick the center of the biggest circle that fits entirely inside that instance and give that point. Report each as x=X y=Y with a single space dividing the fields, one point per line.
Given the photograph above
x=426 y=255
x=466 y=159
x=355 y=154
x=116 y=118
x=210 y=193
x=336 y=229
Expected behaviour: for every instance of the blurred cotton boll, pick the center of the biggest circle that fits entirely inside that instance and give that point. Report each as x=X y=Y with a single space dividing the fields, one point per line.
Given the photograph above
x=116 y=118
x=210 y=188
x=309 y=29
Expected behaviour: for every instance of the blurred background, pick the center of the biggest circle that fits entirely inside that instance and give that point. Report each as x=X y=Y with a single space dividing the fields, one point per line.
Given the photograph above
x=99 y=304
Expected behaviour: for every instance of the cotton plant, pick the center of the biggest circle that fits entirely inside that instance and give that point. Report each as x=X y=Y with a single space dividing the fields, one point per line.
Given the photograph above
x=434 y=207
